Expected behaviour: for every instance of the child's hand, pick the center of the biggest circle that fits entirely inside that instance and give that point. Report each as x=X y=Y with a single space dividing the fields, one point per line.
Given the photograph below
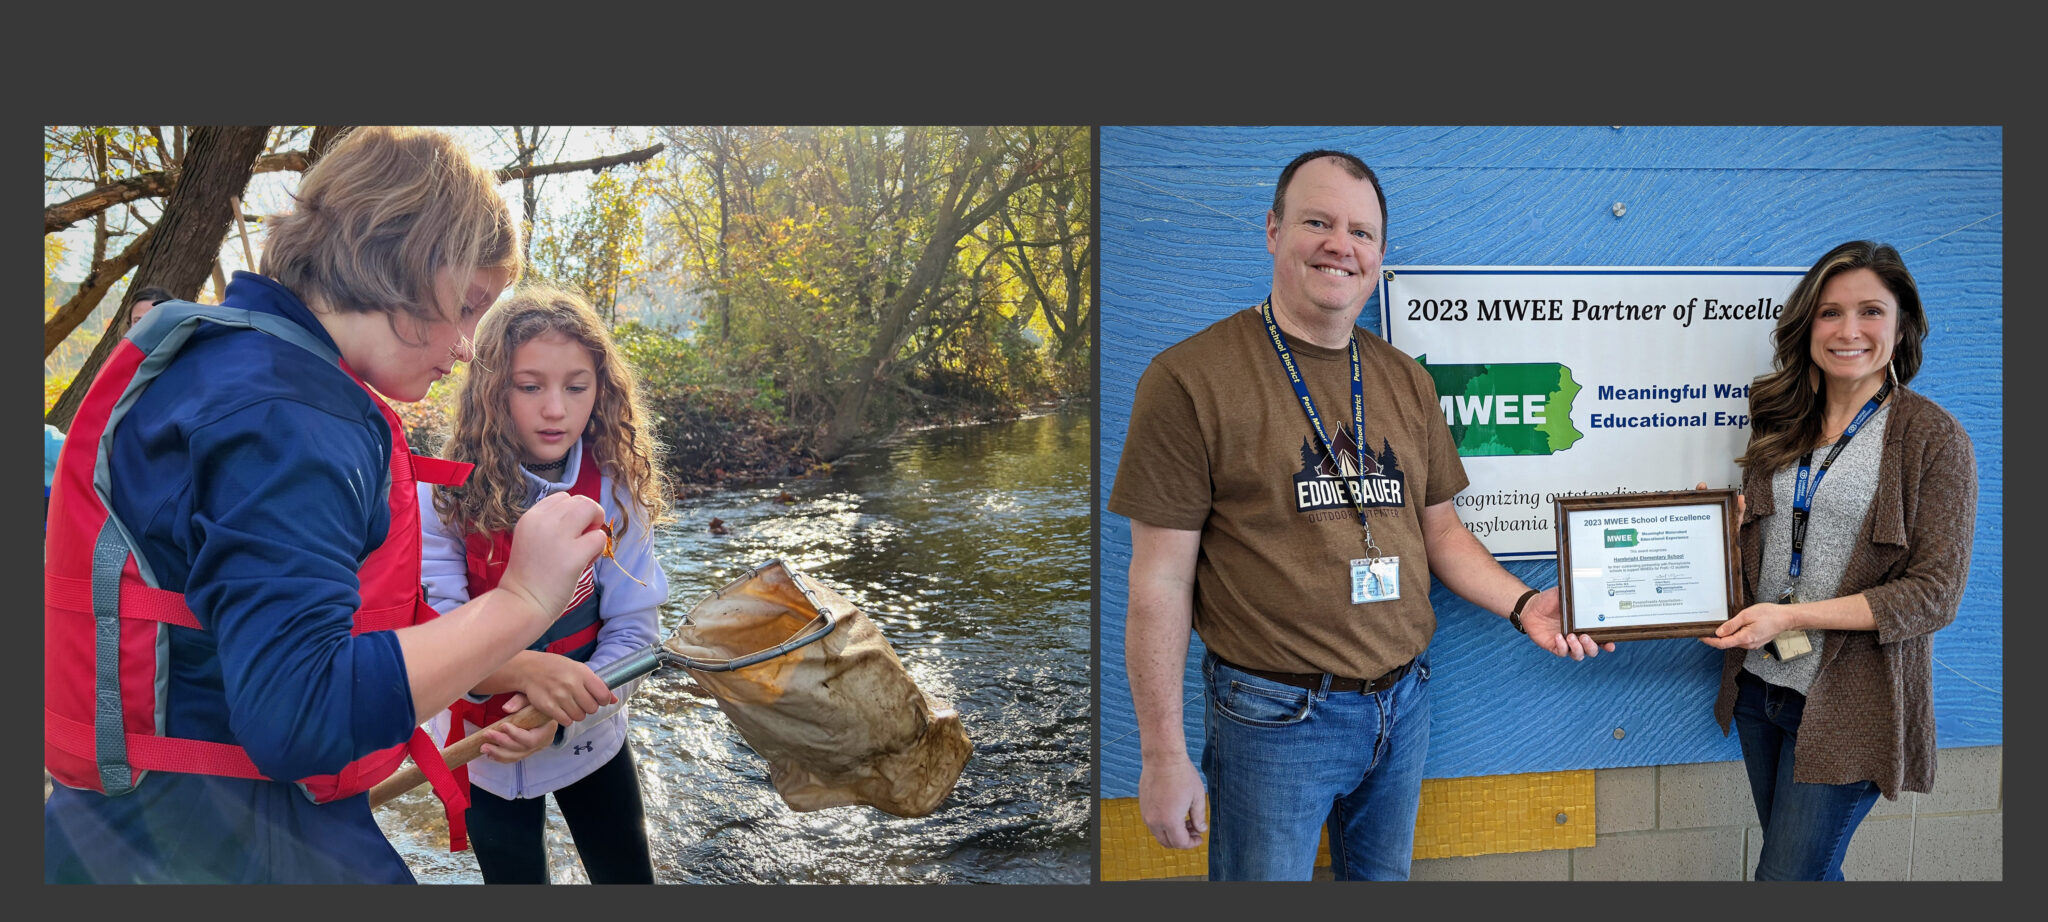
x=554 y=542
x=562 y=688
x=510 y=742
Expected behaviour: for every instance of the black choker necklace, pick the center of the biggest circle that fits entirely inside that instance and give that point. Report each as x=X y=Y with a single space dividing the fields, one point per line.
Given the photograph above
x=550 y=467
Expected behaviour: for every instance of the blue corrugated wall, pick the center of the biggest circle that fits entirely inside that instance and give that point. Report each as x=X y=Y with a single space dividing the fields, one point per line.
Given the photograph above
x=1183 y=213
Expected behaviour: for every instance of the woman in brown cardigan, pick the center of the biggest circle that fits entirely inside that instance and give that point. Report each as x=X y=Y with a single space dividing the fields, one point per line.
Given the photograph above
x=1861 y=500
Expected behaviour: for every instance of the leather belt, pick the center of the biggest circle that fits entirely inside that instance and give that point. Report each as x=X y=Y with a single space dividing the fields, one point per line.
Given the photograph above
x=1314 y=680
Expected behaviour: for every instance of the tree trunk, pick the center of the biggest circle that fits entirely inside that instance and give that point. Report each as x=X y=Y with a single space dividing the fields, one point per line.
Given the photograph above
x=1079 y=304
x=323 y=139
x=187 y=239
x=527 y=192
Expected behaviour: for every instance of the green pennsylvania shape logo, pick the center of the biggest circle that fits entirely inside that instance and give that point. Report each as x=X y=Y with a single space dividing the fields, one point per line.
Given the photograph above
x=1520 y=408
x=1621 y=537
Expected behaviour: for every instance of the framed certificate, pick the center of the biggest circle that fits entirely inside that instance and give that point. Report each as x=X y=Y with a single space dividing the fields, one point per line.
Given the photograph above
x=1644 y=566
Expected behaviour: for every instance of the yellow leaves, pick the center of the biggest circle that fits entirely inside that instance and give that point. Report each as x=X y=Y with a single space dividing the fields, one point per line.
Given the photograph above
x=839 y=253
x=599 y=248
x=53 y=388
x=1037 y=325
x=54 y=251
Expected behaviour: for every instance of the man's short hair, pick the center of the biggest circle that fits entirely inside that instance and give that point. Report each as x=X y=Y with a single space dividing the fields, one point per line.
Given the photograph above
x=1351 y=164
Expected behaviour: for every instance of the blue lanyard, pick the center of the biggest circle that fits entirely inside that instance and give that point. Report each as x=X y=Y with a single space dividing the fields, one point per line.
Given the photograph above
x=1315 y=420
x=1802 y=492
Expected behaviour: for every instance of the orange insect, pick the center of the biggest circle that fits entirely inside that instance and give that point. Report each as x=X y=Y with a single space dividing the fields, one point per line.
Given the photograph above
x=613 y=558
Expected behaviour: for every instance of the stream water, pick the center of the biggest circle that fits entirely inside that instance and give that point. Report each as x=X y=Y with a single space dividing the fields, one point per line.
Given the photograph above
x=969 y=548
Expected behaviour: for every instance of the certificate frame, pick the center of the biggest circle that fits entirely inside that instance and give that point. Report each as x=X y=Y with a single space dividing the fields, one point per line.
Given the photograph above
x=1613 y=542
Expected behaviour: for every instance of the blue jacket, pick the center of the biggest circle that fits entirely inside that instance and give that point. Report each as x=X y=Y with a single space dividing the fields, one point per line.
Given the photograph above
x=250 y=473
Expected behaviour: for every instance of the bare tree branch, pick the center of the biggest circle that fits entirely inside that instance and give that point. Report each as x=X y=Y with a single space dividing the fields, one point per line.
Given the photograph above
x=594 y=164
x=64 y=214
x=91 y=291
x=294 y=160
x=185 y=243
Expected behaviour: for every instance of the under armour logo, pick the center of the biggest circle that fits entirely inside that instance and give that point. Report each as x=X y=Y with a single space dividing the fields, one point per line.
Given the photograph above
x=581 y=748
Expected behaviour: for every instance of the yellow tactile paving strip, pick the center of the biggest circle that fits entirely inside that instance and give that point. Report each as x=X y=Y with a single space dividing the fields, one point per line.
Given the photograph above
x=1494 y=814
x=1459 y=817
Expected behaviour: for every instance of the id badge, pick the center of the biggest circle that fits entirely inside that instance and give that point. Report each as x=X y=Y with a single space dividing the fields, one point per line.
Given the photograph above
x=1375 y=579
x=1789 y=644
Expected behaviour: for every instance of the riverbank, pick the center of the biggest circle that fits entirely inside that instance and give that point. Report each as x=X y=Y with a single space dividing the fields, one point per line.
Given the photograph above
x=714 y=439
x=753 y=451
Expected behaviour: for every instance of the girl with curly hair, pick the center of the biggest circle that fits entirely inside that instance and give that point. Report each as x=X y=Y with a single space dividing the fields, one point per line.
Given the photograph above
x=550 y=407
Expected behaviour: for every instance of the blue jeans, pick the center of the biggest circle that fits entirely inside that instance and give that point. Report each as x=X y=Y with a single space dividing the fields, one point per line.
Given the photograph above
x=1282 y=762
x=1806 y=826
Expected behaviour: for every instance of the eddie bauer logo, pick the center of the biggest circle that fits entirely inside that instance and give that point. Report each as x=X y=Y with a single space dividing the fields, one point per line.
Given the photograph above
x=1323 y=483
x=1620 y=537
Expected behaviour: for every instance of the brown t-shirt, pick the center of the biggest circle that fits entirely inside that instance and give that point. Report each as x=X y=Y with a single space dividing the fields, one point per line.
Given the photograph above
x=1218 y=442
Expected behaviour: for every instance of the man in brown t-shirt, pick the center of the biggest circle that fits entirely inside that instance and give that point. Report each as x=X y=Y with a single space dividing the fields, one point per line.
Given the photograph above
x=1288 y=477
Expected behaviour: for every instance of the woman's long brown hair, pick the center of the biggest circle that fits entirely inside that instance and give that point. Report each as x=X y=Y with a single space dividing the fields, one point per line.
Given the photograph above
x=1787 y=406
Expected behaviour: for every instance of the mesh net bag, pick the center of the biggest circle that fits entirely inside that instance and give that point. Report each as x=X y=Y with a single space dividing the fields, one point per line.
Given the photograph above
x=837 y=717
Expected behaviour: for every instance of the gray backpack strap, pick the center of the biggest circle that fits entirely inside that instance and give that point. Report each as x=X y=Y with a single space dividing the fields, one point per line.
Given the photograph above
x=110 y=747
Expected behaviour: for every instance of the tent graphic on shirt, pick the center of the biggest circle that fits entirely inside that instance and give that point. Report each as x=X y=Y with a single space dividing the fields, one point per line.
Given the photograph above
x=1323 y=482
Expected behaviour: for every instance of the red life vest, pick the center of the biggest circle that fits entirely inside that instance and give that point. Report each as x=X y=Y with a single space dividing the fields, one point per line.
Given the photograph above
x=106 y=626
x=573 y=635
